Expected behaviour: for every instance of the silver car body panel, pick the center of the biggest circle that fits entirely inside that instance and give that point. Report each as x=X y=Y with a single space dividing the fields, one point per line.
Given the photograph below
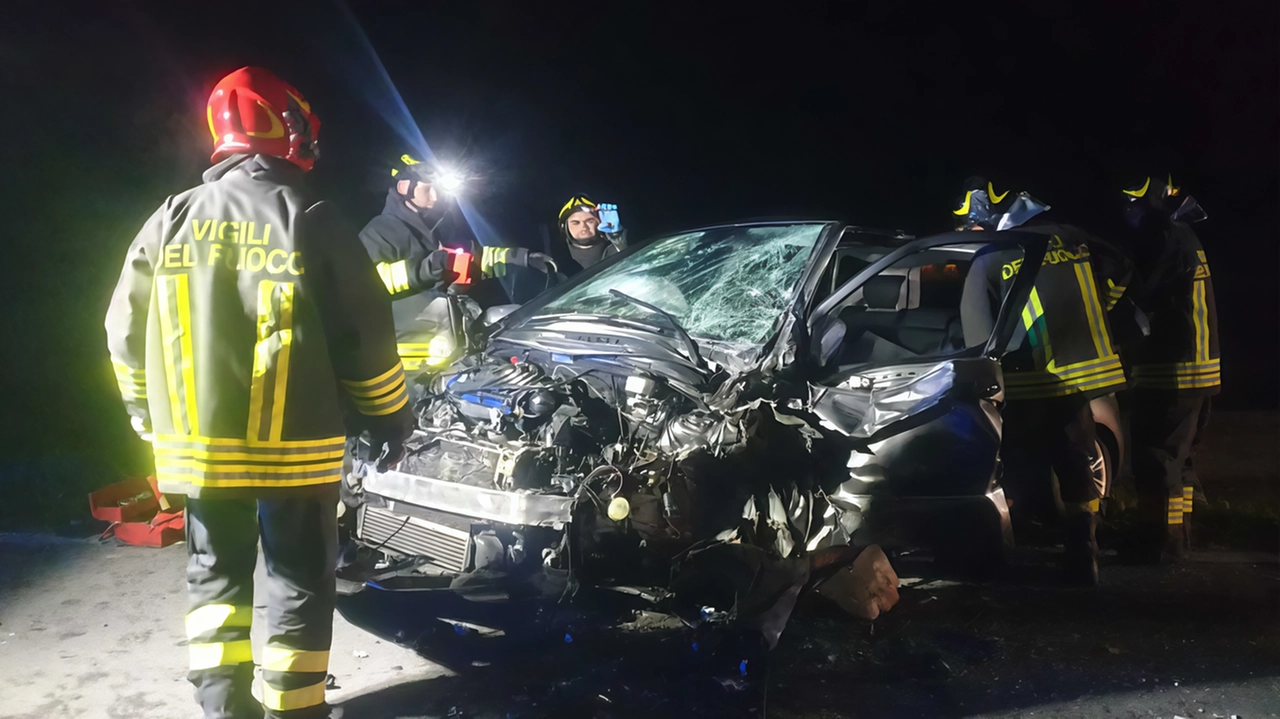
x=538 y=510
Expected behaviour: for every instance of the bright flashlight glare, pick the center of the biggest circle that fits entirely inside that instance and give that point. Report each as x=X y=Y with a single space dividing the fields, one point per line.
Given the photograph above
x=364 y=69
x=451 y=181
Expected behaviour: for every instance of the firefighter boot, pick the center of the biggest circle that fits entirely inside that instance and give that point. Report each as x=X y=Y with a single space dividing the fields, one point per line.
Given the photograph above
x=1080 y=558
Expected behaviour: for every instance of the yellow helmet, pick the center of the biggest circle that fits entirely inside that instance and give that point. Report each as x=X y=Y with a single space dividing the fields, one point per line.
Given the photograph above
x=577 y=203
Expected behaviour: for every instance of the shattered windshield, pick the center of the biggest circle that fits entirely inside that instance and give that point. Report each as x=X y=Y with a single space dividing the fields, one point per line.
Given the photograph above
x=727 y=284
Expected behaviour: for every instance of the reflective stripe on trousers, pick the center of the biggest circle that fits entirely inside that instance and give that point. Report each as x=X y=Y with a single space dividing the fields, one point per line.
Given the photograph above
x=299 y=540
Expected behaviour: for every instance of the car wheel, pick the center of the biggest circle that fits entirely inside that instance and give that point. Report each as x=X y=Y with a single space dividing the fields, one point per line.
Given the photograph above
x=1103 y=466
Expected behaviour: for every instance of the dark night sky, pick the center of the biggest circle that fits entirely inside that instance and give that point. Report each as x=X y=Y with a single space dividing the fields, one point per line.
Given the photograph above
x=680 y=113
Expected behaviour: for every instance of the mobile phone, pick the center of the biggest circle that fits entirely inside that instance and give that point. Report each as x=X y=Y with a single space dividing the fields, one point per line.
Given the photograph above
x=609 y=221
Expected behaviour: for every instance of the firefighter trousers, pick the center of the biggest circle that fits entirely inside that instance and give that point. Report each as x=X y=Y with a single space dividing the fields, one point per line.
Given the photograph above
x=1189 y=476
x=299 y=545
x=1165 y=425
x=1055 y=433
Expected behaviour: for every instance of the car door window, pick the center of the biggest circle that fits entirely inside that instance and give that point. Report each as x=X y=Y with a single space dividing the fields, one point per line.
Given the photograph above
x=858 y=248
x=933 y=303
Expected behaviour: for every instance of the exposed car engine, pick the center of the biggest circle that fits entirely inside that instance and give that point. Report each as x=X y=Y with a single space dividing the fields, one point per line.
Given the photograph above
x=602 y=475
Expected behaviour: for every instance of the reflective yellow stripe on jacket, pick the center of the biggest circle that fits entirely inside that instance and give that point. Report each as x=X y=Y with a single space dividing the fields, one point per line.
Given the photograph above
x=173 y=299
x=1114 y=293
x=381 y=395
x=1093 y=376
x=222 y=462
x=395 y=275
x=1179 y=375
x=1199 y=368
x=1032 y=320
x=132 y=382
x=1200 y=317
x=493 y=261
x=270 y=378
x=1093 y=309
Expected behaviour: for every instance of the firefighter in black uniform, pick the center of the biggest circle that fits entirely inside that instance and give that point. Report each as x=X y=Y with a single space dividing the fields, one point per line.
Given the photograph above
x=243 y=322
x=1061 y=357
x=586 y=241
x=1176 y=368
x=417 y=268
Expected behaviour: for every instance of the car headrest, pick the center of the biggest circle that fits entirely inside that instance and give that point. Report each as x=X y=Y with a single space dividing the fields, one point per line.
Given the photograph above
x=882 y=291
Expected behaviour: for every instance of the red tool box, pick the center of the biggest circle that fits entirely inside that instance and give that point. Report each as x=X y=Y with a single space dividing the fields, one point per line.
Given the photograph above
x=139 y=513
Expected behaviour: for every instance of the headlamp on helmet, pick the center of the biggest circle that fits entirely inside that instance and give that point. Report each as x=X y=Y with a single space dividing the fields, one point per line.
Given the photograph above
x=578 y=203
x=444 y=178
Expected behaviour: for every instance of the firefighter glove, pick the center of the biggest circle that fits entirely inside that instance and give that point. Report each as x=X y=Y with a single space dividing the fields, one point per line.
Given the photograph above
x=435 y=269
x=540 y=262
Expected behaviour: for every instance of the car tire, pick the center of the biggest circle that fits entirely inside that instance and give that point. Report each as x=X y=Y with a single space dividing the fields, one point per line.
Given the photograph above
x=1104 y=468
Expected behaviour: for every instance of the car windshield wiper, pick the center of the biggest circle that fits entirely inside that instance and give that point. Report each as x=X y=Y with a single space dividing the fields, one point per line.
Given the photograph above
x=690 y=346
x=563 y=316
x=588 y=317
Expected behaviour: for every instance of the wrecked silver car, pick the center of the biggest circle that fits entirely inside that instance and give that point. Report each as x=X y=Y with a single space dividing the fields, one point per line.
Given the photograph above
x=707 y=422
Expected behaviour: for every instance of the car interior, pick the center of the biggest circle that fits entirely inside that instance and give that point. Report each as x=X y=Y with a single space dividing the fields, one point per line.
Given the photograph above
x=910 y=311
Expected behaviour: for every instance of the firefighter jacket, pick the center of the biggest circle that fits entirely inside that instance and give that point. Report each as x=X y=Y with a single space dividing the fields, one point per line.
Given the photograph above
x=400 y=243
x=1113 y=271
x=404 y=251
x=1176 y=292
x=242 y=325
x=1063 y=345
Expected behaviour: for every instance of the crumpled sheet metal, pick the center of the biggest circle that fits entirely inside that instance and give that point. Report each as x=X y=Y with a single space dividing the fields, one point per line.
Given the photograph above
x=870 y=409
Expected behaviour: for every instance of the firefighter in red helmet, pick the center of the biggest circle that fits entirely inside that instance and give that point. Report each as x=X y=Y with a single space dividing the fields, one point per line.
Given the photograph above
x=246 y=324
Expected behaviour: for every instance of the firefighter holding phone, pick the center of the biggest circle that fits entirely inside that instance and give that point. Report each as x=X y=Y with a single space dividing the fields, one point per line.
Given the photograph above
x=591 y=233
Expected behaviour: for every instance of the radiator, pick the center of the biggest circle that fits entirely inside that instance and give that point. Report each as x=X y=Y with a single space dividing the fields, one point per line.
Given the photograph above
x=443 y=546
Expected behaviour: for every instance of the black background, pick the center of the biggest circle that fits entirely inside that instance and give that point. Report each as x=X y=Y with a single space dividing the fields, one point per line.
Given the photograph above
x=682 y=113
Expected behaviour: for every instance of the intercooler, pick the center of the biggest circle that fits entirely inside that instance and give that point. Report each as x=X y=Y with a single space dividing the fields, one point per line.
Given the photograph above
x=442 y=545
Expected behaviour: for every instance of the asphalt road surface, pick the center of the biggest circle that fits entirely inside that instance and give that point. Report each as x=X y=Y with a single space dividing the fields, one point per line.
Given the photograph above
x=90 y=630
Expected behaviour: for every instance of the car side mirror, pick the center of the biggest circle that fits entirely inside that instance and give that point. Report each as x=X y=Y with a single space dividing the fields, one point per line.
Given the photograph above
x=494 y=315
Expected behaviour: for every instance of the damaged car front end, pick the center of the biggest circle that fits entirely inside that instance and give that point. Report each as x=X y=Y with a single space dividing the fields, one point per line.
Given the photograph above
x=707 y=425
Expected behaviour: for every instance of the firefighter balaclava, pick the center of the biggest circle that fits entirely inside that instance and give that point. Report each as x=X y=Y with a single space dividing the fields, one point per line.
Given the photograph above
x=417 y=171
x=251 y=111
x=579 y=203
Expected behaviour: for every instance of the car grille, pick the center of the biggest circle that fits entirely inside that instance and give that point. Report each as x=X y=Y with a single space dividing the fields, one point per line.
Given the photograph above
x=443 y=546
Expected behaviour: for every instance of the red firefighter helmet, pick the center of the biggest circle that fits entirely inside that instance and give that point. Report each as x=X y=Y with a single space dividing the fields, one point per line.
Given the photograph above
x=253 y=111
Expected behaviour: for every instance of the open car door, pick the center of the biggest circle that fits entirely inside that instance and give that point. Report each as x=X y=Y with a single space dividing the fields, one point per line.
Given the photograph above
x=904 y=358
x=892 y=341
